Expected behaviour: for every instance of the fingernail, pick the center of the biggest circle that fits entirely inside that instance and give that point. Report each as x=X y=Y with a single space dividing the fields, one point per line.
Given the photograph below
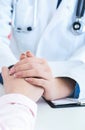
x=28 y=53
x=14 y=76
x=28 y=79
x=23 y=54
x=12 y=70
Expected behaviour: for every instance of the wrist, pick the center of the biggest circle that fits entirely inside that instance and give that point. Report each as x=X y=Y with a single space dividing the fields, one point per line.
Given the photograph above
x=19 y=99
x=65 y=87
x=32 y=92
x=61 y=88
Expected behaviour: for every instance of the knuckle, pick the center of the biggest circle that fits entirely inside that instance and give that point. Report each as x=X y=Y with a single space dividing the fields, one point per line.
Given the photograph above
x=26 y=59
x=37 y=72
x=25 y=74
x=16 y=68
x=44 y=61
x=47 y=69
x=31 y=65
x=19 y=68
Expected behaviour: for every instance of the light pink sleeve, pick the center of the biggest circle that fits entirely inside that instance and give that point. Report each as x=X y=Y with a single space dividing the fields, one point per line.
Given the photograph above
x=17 y=112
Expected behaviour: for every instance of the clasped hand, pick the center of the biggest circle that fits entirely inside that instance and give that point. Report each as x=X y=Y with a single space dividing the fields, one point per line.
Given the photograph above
x=37 y=72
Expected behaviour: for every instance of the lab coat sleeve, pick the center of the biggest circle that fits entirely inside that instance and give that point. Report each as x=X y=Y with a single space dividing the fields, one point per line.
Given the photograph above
x=79 y=55
x=17 y=112
x=6 y=55
x=73 y=69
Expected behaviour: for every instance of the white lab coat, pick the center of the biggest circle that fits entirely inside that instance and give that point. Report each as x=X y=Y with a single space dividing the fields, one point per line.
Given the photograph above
x=51 y=39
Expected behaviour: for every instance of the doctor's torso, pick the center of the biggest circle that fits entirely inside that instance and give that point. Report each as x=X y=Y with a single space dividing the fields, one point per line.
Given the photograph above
x=52 y=37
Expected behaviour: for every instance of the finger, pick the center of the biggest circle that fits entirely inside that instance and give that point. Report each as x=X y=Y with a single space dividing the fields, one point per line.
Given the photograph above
x=5 y=73
x=28 y=66
x=22 y=56
x=30 y=60
x=29 y=54
x=33 y=73
x=38 y=82
x=23 y=67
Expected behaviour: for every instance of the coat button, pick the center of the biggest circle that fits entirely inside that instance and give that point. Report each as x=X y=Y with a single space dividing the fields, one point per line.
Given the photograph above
x=29 y=28
x=19 y=29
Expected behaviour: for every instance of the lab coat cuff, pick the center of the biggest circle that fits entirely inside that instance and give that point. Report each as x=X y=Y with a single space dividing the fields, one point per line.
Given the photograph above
x=21 y=100
x=75 y=93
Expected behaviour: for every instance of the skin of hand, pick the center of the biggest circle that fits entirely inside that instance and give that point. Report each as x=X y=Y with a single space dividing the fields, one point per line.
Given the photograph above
x=37 y=72
x=18 y=85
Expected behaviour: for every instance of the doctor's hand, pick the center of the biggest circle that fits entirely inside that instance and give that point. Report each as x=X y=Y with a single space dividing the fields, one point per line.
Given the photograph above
x=37 y=72
x=17 y=85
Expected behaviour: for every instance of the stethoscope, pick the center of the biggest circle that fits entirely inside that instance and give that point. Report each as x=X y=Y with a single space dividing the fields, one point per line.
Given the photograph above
x=78 y=26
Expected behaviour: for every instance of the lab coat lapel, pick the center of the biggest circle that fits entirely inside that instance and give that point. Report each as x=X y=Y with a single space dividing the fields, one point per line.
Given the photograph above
x=57 y=28
x=46 y=9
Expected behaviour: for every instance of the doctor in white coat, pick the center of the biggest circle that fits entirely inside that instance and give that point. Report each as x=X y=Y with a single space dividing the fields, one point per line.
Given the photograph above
x=38 y=26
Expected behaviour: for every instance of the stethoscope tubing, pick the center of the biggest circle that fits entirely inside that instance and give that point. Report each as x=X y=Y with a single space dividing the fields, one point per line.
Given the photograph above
x=59 y=1
x=78 y=26
x=80 y=8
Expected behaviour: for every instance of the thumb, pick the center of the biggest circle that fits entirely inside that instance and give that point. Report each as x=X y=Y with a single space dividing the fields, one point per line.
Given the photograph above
x=5 y=73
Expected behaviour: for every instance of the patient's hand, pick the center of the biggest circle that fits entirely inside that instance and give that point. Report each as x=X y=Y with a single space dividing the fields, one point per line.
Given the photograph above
x=19 y=85
x=36 y=71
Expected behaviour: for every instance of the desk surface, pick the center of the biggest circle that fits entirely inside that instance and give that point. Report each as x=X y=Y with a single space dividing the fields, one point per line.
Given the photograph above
x=58 y=119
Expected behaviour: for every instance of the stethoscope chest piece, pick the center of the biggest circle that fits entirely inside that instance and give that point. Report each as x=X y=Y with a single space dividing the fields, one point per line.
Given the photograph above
x=78 y=26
